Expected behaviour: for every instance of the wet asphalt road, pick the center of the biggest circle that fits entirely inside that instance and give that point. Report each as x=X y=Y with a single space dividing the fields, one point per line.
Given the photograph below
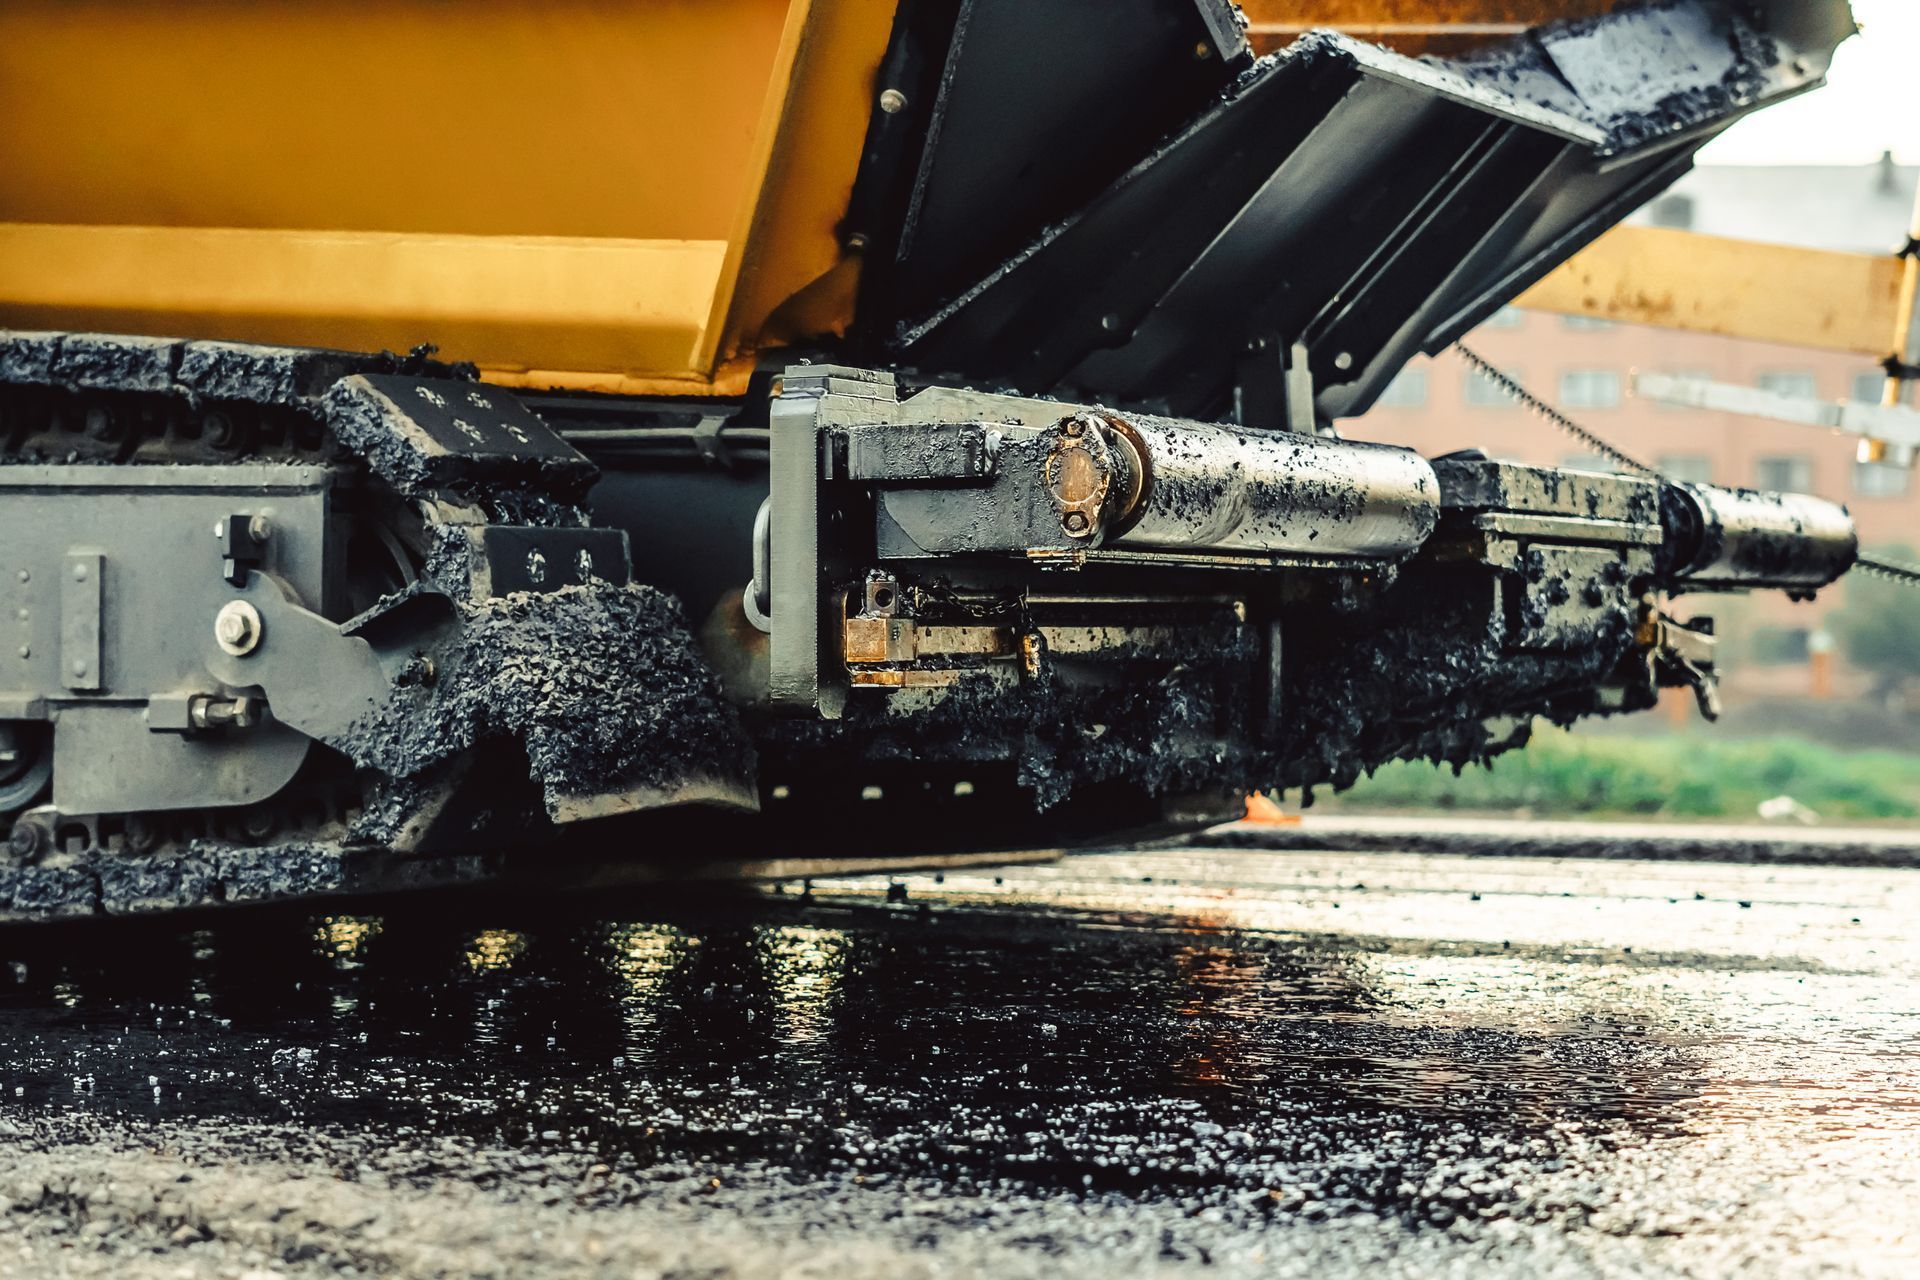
x=1181 y=1062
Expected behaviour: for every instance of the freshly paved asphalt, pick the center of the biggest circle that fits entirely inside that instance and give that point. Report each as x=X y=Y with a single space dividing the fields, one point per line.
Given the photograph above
x=1166 y=1062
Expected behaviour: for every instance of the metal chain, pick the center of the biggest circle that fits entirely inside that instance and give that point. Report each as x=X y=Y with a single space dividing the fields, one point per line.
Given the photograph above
x=1487 y=370
x=1892 y=569
x=979 y=611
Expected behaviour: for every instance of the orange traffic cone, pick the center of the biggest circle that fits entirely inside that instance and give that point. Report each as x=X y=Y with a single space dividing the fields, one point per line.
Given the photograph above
x=1263 y=812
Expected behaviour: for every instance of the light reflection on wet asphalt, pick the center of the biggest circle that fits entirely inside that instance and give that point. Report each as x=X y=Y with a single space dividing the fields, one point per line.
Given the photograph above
x=1641 y=1065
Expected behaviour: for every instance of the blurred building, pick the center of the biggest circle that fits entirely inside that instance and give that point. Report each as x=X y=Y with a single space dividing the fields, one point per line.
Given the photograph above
x=1585 y=366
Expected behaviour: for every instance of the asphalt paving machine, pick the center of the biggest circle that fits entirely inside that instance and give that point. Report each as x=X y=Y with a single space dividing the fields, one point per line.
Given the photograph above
x=747 y=434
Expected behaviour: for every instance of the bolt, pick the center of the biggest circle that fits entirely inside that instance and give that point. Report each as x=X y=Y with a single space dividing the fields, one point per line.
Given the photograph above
x=1075 y=522
x=79 y=573
x=237 y=628
x=892 y=101
x=1076 y=428
x=79 y=666
x=856 y=242
x=26 y=651
x=207 y=712
x=25 y=576
x=1343 y=361
x=259 y=528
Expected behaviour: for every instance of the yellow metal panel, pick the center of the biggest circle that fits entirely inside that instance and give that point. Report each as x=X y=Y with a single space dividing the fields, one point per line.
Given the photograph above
x=633 y=119
x=635 y=311
x=565 y=193
x=1741 y=288
x=1412 y=26
x=1905 y=348
x=796 y=280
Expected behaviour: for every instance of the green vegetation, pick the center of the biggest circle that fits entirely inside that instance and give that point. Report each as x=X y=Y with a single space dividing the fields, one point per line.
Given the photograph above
x=1668 y=775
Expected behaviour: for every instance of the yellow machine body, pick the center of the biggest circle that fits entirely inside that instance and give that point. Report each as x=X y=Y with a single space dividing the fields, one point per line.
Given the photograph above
x=622 y=197
x=616 y=196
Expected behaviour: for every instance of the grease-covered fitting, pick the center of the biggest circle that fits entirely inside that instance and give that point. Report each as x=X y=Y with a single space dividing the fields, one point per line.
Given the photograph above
x=1093 y=473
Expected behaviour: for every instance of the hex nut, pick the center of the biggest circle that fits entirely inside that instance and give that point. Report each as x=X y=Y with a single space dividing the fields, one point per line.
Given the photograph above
x=238 y=628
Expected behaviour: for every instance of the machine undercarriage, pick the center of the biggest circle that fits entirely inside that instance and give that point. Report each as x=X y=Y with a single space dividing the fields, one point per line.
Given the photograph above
x=340 y=625
x=1055 y=540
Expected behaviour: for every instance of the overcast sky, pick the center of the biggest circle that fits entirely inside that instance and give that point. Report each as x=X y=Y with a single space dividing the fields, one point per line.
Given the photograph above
x=1870 y=103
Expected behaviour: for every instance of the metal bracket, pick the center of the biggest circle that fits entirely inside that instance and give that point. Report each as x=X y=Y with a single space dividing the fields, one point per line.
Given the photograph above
x=243 y=538
x=1888 y=433
x=541 y=558
x=960 y=451
x=707 y=439
x=317 y=679
x=1226 y=29
x=80 y=604
x=1275 y=387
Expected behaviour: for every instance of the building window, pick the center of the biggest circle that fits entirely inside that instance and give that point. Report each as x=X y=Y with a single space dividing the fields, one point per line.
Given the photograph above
x=1505 y=318
x=1792 y=473
x=1789 y=382
x=1686 y=375
x=1484 y=393
x=1587 y=462
x=1672 y=211
x=1590 y=388
x=1408 y=390
x=1586 y=324
x=1868 y=388
x=1878 y=480
x=1688 y=468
